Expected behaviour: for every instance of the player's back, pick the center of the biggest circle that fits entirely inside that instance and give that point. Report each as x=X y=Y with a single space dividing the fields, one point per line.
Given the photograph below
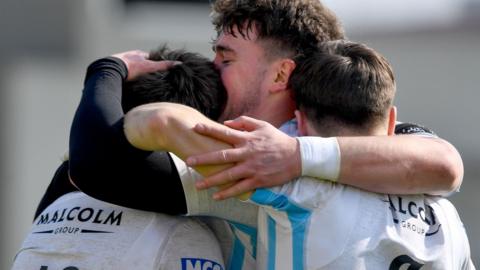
x=310 y=224
x=79 y=232
x=399 y=232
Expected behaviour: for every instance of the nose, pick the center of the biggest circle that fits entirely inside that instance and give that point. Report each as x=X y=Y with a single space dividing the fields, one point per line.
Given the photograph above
x=217 y=62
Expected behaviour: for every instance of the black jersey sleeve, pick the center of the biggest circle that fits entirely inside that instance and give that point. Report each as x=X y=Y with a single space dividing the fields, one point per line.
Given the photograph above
x=103 y=164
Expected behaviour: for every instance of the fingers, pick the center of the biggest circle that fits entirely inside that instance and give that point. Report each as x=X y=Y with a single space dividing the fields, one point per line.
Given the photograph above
x=241 y=189
x=131 y=54
x=152 y=66
x=225 y=156
x=227 y=176
x=137 y=63
x=220 y=132
x=131 y=57
x=229 y=183
x=245 y=123
x=138 y=67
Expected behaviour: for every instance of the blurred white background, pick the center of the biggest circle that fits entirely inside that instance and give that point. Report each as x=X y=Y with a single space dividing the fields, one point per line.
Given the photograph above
x=433 y=45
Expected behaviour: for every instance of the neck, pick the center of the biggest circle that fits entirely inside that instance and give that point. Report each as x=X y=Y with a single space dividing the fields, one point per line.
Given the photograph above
x=277 y=112
x=333 y=130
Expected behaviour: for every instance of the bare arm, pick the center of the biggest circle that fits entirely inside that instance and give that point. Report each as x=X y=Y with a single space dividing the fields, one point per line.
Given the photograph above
x=169 y=127
x=394 y=164
x=403 y=164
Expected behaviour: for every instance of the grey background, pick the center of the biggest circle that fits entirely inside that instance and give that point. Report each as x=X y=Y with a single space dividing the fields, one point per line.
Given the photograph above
x=46 y=45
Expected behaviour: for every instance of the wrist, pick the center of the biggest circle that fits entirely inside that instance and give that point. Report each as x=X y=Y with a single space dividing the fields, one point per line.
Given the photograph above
x=320 y=157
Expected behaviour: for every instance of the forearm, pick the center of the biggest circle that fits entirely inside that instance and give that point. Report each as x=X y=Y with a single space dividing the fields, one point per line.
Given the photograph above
x=97 y=125
x=169 y=127
x=102 y=162
x=400 y=164
x=411 y=164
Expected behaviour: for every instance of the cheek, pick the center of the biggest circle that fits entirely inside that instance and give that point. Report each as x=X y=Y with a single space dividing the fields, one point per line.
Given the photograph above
x=228 y=79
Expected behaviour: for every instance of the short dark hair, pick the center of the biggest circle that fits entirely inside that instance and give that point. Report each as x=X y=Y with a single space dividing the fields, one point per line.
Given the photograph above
x=344 y=83
x=195 y=83
x=293 y=26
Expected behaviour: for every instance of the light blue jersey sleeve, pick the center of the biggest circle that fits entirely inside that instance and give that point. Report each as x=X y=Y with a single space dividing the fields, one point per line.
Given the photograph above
x=293 y=217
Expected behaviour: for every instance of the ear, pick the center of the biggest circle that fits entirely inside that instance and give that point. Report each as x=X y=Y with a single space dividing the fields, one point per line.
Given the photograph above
x=392 y=120
x=301 y=123
x=283 y=70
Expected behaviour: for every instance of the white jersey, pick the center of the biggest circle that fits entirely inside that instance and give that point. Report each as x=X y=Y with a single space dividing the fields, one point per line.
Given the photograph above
x=241 y=250
x=77 y=232
x=312 y=224
x=236 y=231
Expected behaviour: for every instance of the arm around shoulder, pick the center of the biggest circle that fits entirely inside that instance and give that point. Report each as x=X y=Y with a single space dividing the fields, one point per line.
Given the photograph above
x=450 y=167
x=400 y=164
x=169 y=127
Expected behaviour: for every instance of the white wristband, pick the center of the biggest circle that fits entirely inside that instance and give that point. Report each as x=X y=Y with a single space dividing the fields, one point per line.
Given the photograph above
x=320 y=157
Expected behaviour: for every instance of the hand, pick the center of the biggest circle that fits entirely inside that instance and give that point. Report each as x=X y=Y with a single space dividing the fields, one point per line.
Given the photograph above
x=263 y=156
x=138 y=64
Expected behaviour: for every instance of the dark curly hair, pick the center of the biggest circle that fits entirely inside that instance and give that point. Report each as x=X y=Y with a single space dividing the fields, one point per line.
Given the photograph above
x=194 y=83
x=293 y=26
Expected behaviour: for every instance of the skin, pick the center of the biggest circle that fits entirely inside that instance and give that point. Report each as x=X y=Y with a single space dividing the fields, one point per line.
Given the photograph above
x=263 y=156
x=176 y=123
x=163 y=126
x=256 y=86
x=384 y=128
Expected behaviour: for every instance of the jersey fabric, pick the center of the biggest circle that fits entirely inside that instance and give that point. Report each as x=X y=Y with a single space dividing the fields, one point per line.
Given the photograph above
x=313 y=224
x=242 y=218
x=237 y=227
x=77 y=232
x=103 y=164
x=102 y=158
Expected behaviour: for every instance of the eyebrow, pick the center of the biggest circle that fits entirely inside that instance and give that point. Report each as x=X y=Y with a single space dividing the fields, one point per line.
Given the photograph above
x=222 y=48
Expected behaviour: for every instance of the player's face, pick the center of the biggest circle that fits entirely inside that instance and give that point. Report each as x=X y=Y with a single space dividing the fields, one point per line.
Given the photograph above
x=242 y=65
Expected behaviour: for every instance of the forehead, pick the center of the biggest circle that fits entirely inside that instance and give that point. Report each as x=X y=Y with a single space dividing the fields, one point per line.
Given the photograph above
x=236 y=42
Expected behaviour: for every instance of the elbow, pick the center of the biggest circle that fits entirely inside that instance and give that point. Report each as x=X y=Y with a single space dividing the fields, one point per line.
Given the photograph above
x=449 y=169
x=143 y=126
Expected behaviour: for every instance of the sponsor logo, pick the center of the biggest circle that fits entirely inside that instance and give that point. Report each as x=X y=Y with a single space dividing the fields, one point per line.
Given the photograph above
x=200 y=264
x=416 y=218
x=78 y=214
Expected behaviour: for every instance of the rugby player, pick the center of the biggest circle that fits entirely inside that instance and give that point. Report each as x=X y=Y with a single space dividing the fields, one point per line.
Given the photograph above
x=348 y=90
x=104 y=165
x=77 y=231
x=256 y=44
